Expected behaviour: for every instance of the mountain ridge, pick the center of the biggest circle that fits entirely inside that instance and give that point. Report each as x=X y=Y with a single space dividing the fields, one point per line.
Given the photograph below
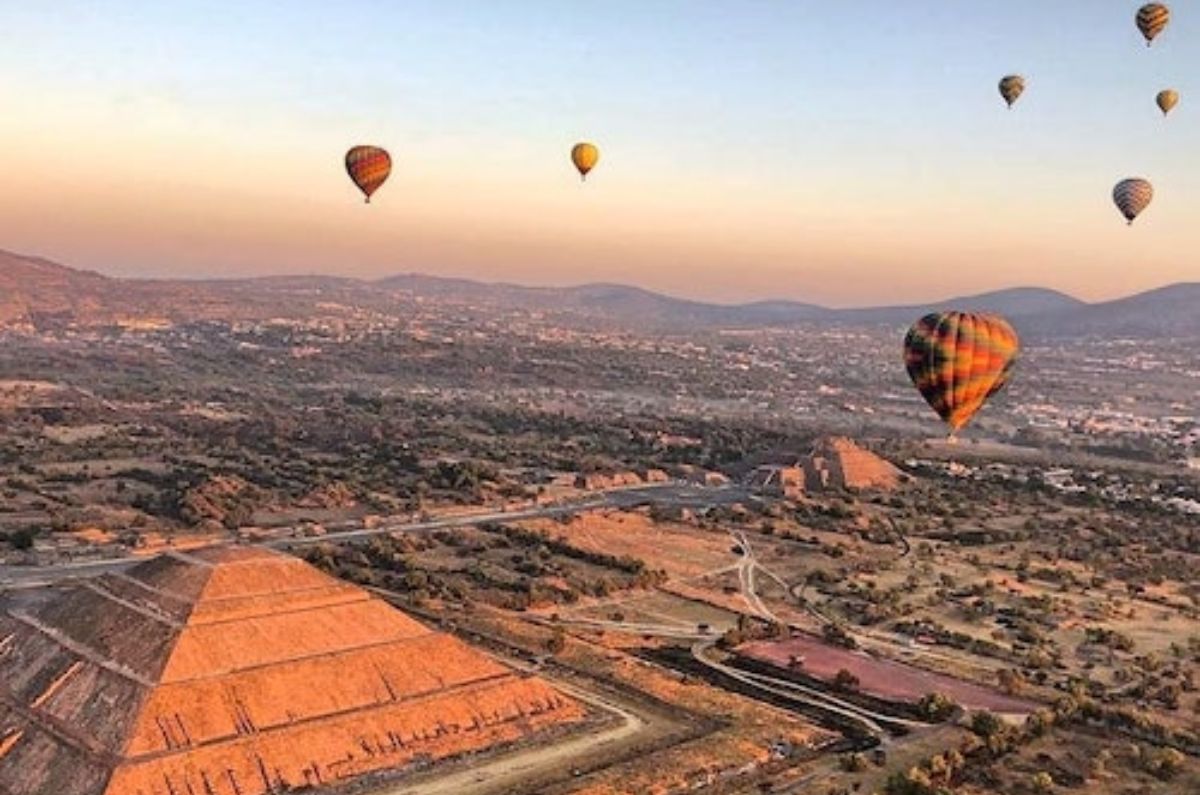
x=39 y=292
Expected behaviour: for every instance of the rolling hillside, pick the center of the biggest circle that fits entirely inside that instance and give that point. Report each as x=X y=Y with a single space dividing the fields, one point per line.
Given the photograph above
x=39 y=293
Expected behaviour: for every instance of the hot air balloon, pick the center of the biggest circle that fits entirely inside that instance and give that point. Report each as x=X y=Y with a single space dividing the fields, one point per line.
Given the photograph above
x=1152 y=18
x=958 y=360
x=1132 y=196
x=1011 y=88
x=585 y=156
x=369 y=167
x=1167 y=100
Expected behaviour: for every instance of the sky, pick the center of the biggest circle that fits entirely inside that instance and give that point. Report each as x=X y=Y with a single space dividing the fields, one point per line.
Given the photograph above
x=845 y=153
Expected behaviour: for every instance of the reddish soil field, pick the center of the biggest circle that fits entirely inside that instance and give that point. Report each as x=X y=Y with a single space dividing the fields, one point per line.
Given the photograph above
x=885 y=679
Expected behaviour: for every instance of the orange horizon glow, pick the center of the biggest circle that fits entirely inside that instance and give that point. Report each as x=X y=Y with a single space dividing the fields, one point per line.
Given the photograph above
x=158 y=183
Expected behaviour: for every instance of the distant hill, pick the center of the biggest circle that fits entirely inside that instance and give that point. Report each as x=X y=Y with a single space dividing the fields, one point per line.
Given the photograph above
x=616 y=301
x=37 y=292
x=44 y=294
x=1172 y=311
x=31 y=287
x=650 y=308
x=1016 y=303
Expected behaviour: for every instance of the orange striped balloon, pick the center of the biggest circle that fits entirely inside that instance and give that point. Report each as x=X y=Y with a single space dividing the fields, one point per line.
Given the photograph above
x=369 y=167
x=957 y=360
x=1152 y=19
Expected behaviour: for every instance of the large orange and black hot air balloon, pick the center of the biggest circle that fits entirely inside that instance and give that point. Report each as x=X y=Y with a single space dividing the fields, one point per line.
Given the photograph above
x=958 y=360
x=369 y=167
x=1152 y=19
x=585 y=156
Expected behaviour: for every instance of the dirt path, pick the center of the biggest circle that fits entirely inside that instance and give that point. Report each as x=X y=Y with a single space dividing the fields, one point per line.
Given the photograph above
x=508 y=771
x=747 y=570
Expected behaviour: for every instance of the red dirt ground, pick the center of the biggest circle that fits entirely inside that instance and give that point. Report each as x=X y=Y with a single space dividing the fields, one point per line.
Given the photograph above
x=885 y=679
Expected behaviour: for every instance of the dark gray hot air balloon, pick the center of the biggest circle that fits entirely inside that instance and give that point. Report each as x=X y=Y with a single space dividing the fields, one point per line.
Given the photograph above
x=1132 y=196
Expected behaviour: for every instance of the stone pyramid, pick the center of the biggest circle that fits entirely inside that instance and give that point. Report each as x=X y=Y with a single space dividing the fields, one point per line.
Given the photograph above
x=240 y=671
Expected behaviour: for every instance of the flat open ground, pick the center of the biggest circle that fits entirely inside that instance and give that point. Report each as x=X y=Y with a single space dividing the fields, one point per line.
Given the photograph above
x=681 y=550
x=518 y=770
x=882 y=678
x=659 y=607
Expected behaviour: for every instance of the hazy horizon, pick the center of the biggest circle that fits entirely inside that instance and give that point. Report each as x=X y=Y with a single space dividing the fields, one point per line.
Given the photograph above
x=854 y=155
x=717 y=300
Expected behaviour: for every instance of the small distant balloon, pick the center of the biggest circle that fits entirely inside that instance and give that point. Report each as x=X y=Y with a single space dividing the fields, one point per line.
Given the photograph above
x=1167 y=100
x=585 y=156
x=1011 y=88
x=1132 y=196
x=368 y=167
x=1152 y=19
x=958 y=360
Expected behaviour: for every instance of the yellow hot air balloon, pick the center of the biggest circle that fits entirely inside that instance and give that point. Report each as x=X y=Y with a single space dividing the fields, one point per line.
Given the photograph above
x=1011 y=88
x=1132 y=196
x=585 y=156
x=1167 y=100
x=368 y=167
x=1152 y=19
x=957 y=360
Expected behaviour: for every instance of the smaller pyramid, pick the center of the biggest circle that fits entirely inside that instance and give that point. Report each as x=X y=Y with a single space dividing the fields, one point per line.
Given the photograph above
x=240 y=671
x=838 y=463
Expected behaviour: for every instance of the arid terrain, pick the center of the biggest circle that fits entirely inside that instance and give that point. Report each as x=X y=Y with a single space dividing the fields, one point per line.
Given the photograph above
x=741 y=554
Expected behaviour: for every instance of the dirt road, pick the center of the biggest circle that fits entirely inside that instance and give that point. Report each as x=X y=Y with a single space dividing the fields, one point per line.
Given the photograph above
x=510 y=770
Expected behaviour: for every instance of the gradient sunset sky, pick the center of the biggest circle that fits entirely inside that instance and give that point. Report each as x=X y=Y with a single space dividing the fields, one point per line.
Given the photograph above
x=839 y=152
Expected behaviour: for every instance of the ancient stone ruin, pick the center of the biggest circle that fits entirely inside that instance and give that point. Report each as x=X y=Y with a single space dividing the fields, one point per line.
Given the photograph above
x=239 y=671
x=835 y=463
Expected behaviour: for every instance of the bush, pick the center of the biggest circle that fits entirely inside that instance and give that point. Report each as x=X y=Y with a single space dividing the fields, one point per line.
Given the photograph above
x=986 y=724
x=845 y=680
x=937 y=706
x=1163 y=763
x=21 y=540
x=914 y=782
x=837 y=635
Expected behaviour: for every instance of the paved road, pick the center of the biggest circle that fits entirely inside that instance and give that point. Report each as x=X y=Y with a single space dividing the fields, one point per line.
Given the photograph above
x=675 y=494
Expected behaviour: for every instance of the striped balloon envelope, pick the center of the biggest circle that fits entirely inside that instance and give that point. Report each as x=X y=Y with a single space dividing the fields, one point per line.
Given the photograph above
x=1132 y=196
x=368 y=167
x=957 y=360
x=1152 y=19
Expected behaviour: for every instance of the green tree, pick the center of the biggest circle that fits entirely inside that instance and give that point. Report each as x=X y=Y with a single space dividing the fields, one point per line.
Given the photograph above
x=986 y=724
x=937 y=706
